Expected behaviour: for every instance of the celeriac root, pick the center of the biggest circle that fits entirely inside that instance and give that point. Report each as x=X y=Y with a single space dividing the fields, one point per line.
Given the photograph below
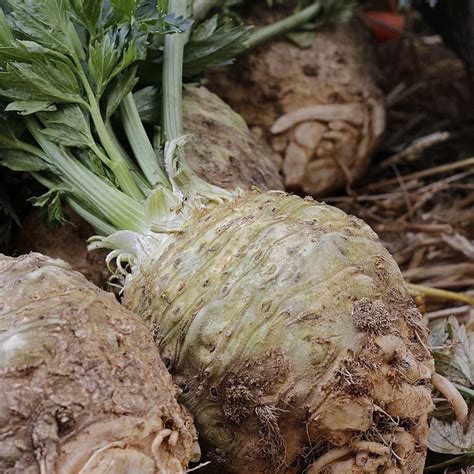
x=454 y=398
x=288 y=325
x=82 y=386
x=318 y=108
x=328 y=458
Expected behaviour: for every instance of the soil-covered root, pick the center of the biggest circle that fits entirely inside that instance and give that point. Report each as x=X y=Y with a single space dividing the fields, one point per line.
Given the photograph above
x=221 y=148
x=82 y=387
x=319 y=108
x=289 y=328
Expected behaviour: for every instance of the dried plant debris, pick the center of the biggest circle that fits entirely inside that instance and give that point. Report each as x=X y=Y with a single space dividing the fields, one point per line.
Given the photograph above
x=450 y=438
x=453 y=351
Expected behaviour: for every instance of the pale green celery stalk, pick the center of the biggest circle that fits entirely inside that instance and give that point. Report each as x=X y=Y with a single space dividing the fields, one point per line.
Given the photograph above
x=121 y=210
x=15 y=144
x=102 y=227
x=173 y=76
x=185 y=181
x=140 y=143
x=118 y=166
x=142 y=183
x=47 y=183
x=284 y=26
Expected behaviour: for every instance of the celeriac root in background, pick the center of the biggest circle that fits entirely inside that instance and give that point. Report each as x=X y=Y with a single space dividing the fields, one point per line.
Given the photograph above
x=318 y=108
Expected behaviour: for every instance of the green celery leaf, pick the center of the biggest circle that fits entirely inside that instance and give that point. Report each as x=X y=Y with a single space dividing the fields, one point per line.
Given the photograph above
x=112 y=54
x=449 y=438
x=10 y=126
x=148 y=8
x=160 y=25
x=46 y=22
x=6 y=36
x=68 y=126
x=51 y=203
x=30 y=107
x=93 y=163
x=13 y=53
x=205 y=30
x=119 y=89
x=129 y=55
x=148 y=105
x=18 y=160
x=174 y=24
x=102 y=61
x=212 y=45
x=51 y=81
x=39 y=52
x=88 y=12
x=25 y=51
x=125 y=9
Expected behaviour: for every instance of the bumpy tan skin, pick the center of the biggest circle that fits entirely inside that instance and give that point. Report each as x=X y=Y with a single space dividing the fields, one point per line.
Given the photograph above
x=289 y=328
x=318 y=108
x=82 y=387
x=222 y=150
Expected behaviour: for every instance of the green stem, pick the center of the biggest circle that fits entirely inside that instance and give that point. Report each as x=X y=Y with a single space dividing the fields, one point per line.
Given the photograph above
x=102 y=156
x=184 y=180
x=15 y=144
x=140 y=143
x=99 y=224
x=140 y=180
x=284 y=26
x=46 y=182
x=173 y=76
x=122 y=211
x=118 y=166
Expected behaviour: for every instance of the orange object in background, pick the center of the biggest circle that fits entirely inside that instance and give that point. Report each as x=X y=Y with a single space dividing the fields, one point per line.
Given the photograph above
x=386 y=26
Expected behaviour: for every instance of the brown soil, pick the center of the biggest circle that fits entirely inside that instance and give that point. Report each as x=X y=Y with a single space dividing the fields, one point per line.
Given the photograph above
x=67 y=242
